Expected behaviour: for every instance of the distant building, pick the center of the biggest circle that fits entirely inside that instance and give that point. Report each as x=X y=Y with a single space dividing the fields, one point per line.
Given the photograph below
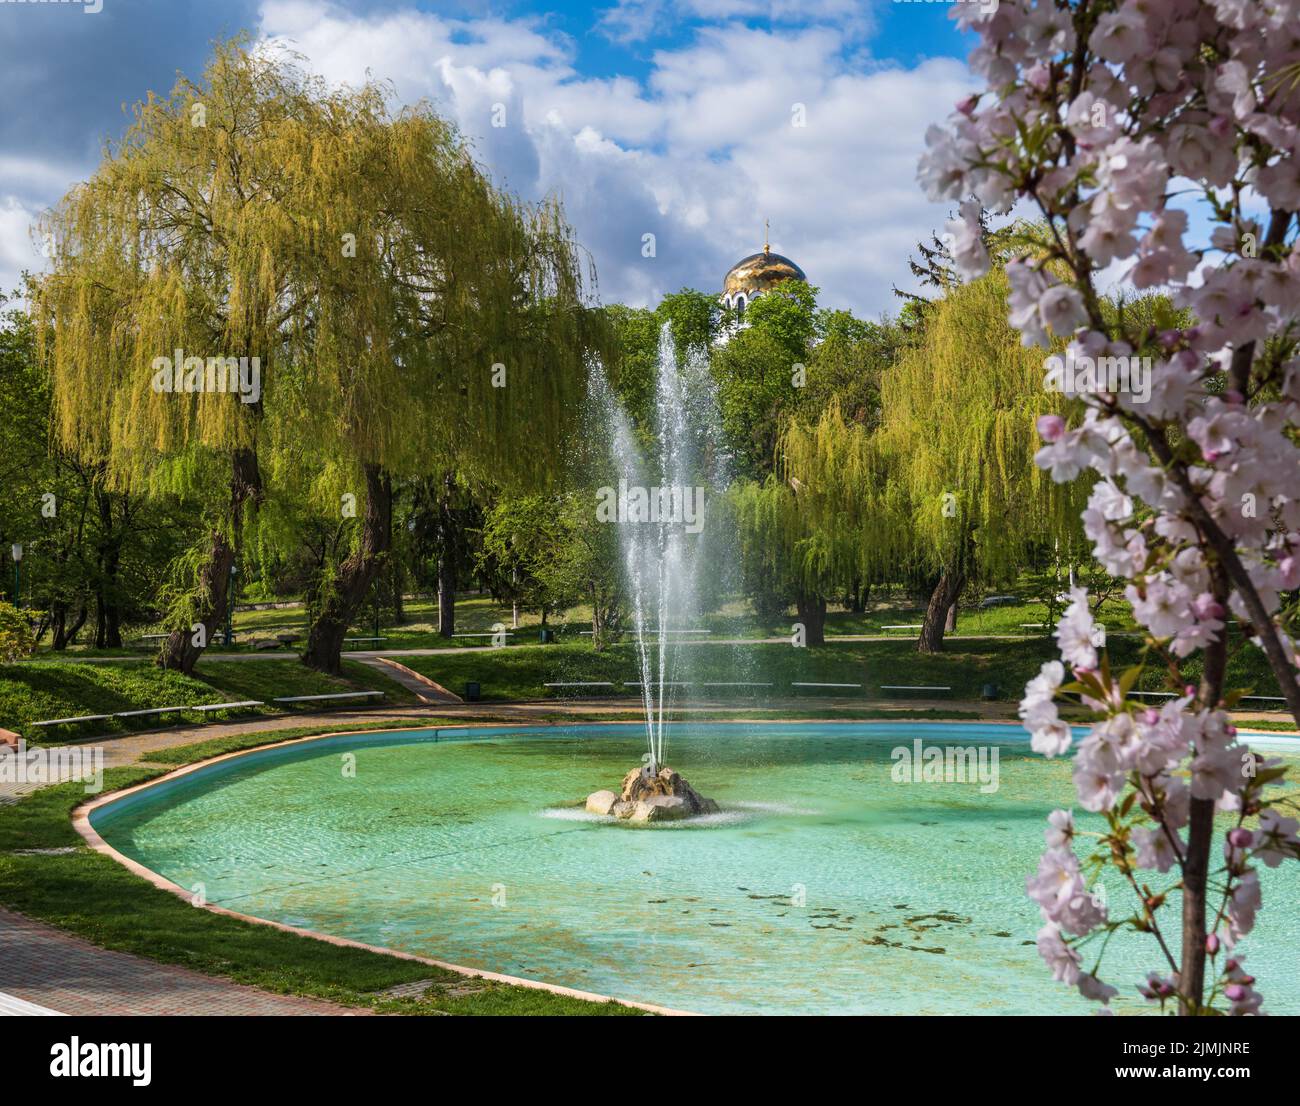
x=754 y=276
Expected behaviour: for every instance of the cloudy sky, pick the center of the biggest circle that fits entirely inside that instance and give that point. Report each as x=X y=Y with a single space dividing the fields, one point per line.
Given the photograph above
x=692 y=120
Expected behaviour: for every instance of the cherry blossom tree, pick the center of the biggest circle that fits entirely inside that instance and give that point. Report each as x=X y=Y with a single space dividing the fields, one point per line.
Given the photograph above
x=1158 y=142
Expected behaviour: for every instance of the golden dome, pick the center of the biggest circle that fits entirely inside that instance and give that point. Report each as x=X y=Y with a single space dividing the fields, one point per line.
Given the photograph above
x=758 y=273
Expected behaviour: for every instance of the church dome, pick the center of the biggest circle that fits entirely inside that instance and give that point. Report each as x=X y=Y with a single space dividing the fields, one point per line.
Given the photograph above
x=759 y=273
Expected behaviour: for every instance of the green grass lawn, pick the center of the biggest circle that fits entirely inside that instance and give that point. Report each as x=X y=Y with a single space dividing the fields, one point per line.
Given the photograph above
x=477 y=614
x=93 y=896
x=965 y=666
x=38 y=690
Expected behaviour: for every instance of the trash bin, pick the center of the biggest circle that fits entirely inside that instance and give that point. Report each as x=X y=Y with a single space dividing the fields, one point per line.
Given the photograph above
x=990 y=691
x=471 y=692
x=546 y=636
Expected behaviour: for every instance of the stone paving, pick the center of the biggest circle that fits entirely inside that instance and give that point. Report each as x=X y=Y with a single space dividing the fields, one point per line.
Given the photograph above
x=63 y=973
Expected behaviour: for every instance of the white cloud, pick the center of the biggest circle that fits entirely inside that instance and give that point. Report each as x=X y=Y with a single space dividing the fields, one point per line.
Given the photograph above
x=18 y=250
x=698 y=156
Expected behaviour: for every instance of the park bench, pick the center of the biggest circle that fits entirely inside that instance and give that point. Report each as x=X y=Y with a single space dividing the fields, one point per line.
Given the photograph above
x=913 y=687
x=805 y=683
x=147 y=712
x=579 y=685
x=916 y=627
x=1157 y=694
x=208 y=708
x=1265 y=699
x=72 y=721
x=356 y=640
x=330 y=696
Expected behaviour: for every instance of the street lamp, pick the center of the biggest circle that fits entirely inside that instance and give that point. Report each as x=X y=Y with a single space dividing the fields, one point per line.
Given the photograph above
x=230 y=605
x=17 y=552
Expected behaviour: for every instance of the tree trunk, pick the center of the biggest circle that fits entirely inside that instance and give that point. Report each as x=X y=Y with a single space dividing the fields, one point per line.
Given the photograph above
x=446 y=596
x=448 y=527
x=942 y=600
x=1200 y=832
x=812 y=613
x=396 y=565
x=181 y=651
x=58 y=623
x=339 y=607
x=950 y=619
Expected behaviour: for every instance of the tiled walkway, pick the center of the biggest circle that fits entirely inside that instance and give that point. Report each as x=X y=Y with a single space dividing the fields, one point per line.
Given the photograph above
x=63 y=973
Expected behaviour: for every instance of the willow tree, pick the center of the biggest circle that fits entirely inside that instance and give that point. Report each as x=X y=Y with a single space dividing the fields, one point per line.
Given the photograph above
x=179 y=249
x=450 y=336
x=790 y=545
x=406 y=316
x=946 y=482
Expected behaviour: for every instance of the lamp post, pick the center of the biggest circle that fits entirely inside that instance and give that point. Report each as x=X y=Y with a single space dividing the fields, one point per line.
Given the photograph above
x=230 y=605
x=17 y=552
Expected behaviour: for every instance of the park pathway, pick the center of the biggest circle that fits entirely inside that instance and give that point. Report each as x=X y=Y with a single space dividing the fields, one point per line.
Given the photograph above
x=62 y=974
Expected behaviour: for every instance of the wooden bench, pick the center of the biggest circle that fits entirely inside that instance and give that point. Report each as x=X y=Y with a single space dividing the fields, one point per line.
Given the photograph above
x=332 y=695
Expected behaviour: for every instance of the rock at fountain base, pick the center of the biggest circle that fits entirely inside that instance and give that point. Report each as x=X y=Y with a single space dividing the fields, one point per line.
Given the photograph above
x=601 y=802
x=662 y=796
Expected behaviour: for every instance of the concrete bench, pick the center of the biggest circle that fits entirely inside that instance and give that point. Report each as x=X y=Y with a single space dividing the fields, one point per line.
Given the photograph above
x=208 y=708
x=914 y=687
x=71 y=721
x=1265 y=699
x=916 y=627
x=148 y=712
x=332 y=695
x=802 y=683
x=579 y=687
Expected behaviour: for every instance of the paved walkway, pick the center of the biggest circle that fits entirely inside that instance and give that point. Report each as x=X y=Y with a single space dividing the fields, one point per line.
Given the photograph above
x=64 y=974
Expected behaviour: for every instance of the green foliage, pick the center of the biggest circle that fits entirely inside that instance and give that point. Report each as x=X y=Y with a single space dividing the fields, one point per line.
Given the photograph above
x=16 y=639
x=948 y=475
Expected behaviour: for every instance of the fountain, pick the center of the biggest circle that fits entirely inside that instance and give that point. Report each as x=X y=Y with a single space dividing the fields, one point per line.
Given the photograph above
x=660 y=505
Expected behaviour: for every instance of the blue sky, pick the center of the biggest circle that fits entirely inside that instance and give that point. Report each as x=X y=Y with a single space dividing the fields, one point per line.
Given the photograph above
x=677 y=118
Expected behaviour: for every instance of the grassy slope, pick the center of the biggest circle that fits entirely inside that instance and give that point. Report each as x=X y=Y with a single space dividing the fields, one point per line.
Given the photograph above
x=38 y=690
x=95 y=897
x=965 y=666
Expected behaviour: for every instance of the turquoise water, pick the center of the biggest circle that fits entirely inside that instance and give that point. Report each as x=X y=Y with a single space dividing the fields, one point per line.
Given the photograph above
x=824 y=887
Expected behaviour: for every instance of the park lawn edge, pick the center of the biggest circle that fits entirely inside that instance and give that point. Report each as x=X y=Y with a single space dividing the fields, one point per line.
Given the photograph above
x=90 y=895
